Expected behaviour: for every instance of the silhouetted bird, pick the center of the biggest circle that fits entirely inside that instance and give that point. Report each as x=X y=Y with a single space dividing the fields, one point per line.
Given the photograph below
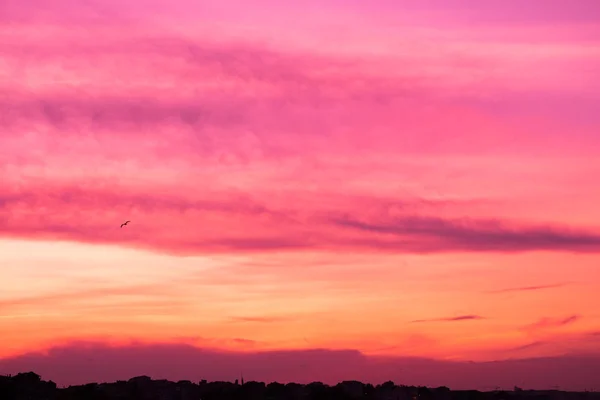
x=125 y=223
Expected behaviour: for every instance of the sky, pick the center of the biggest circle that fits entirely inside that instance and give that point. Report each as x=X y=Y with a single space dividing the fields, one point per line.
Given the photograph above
x=406 y=185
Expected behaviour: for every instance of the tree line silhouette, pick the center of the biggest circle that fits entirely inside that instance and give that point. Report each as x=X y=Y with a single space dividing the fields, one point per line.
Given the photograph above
x=30 y=386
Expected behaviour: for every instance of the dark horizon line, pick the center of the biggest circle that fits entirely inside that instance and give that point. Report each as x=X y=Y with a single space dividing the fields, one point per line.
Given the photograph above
x=31 y=376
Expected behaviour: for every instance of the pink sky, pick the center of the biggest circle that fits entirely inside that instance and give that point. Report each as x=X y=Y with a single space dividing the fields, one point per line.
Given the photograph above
x=381 y=178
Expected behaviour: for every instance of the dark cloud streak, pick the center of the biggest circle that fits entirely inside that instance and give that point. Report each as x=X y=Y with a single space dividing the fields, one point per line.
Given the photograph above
x=438 y=234
x=529 y=288
x=548 y=323
x=451 y=319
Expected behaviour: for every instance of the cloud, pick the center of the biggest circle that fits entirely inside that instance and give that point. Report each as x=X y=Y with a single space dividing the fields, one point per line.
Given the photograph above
x=257 y=319
x=569 y=320
x=551 y=342
x=548 y=323
x=217 y=135
x=435 y=234
x=529 y=346
x=153 y=297
x=217 y=221
x=555 y=12
x=529 y=288
x=208 y=83
x=244 y=341
x=451 y=319
x=86 y=362
x=281 y=228
x=252 y=80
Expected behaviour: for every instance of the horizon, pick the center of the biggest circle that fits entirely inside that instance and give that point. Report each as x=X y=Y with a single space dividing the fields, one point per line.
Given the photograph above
x=381 y=180
x=240 y=381
x=86 y=362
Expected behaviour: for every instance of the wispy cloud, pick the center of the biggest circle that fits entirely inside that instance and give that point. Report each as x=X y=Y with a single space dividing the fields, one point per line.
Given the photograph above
x=249 y=342
x=548 y=323
x=152 y=290
x=528 y=346
x=554 y=342
x=529 y=288
x=270 y=319
x=451 y=319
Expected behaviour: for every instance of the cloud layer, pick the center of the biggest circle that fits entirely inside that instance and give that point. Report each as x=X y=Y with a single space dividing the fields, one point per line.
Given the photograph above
x=150 y=125
x=83 y=363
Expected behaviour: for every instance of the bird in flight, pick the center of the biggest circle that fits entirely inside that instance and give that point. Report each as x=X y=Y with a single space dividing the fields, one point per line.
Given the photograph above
x=125 y=223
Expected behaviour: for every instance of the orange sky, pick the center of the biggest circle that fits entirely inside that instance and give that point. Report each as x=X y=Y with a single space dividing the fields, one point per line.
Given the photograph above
x=60 y=291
